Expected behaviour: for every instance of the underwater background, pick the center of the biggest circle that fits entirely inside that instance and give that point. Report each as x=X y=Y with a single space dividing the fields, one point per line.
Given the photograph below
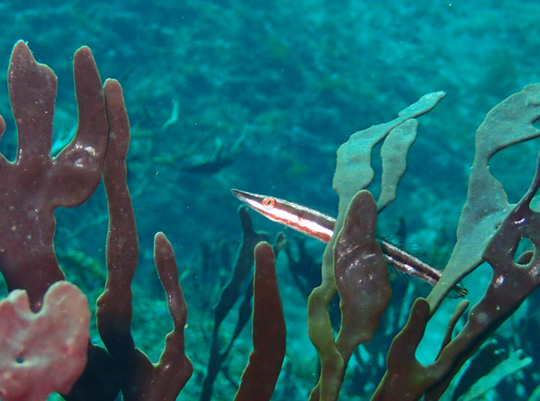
x=258 y=96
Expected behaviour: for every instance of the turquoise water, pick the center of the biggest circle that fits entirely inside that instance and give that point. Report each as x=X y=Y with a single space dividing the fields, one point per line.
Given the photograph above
x=259 y=96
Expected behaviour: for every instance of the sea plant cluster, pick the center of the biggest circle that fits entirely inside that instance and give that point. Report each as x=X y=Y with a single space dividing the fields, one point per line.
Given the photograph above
x=44 y=319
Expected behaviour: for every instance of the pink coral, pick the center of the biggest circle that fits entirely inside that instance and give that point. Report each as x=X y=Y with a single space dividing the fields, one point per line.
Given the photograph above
x=42 y=352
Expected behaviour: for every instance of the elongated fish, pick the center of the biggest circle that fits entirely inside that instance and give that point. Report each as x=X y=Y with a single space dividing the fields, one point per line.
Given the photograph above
x=321 y=226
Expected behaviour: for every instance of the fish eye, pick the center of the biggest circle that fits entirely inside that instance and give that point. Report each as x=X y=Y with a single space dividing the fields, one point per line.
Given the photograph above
x=269 y=202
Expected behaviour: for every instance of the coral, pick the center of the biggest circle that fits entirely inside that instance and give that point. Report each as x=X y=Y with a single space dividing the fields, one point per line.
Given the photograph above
x=42 y=352
x=140 y=379
x=506 y=368
x=228 y=297
x=262 y=372
x=36 y=184
x=364 y=291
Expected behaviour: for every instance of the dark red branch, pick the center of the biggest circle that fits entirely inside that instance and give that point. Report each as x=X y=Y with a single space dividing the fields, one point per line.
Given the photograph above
x=35 y=184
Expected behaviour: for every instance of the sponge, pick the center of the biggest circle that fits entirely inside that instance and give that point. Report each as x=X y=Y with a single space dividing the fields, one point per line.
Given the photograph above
x=42 y=352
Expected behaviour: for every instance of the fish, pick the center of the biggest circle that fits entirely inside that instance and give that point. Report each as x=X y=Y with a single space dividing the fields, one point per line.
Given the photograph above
x=320 y=226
